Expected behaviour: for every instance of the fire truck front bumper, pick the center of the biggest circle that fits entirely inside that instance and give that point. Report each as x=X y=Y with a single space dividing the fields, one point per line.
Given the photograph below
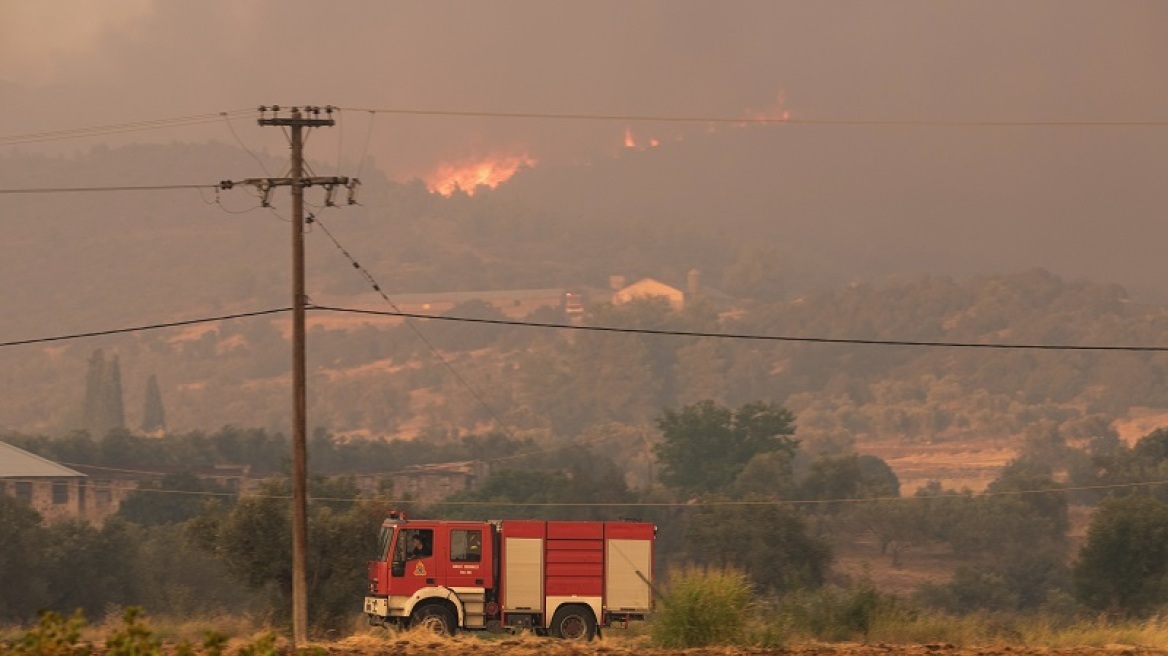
x=377 y=606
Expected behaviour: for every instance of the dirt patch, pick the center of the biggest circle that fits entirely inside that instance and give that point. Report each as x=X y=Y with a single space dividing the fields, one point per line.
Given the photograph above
x=549 y=647
x=1140 y=422
x=967 y=464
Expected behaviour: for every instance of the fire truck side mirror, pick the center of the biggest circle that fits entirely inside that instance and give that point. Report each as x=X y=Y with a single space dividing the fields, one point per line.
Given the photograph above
x=397 y=569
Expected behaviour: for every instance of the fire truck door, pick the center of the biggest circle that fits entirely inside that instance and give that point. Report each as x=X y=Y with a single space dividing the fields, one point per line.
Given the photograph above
x=470 y=558
x=420 y=548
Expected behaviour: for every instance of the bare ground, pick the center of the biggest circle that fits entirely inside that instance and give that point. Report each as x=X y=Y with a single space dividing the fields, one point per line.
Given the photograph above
x=413 y=646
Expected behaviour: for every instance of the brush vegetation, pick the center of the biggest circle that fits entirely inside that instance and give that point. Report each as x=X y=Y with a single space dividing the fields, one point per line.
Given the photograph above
x=710 y=608
x=706 y=607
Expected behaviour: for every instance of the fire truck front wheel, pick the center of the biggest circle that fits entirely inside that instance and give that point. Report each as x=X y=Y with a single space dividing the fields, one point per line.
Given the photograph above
x=434 y=618
x=573 y=622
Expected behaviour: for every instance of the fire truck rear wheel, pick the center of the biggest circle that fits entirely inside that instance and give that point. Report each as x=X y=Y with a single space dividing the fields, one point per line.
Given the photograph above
x=574 y=623
x=435 y=618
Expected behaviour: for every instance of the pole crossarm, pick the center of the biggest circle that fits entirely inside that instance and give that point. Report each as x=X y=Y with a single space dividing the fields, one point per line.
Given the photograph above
x=323 y=181
x=302 y=117
x=302 y=122
x=330 y=183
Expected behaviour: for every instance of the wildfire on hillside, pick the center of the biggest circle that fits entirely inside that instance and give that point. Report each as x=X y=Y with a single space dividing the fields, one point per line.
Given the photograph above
x=631 y=141
x=468 y=174
x=776 y=112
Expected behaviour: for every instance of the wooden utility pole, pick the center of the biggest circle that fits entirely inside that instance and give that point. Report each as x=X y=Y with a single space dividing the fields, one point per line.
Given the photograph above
x=301 y=118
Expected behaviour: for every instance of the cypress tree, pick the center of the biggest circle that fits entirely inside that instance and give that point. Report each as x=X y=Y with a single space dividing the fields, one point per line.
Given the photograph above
x=153 y=412
x=94 y=382
x=104 y=409
x=112 y=396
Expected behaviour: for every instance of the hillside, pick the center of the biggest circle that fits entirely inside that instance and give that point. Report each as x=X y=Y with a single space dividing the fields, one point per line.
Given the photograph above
x=91 y=262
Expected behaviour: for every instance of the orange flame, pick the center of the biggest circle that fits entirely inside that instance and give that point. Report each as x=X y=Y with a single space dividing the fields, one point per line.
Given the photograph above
x=776 y=112
x=470 y=173
x=631 y=141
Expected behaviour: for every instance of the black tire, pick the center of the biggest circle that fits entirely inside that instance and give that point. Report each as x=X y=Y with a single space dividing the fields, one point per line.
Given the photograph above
x=575 y=623
x=437 y=619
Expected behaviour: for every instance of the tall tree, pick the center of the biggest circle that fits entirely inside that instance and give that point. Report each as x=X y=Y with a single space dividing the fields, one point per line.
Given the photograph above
x=104 y=409
x=115 y=408
x=153 y=412
x=1123 y=568
x=850 y=476
x=94 y=382
x=706 y=446
x=773 y=544
x=22 y=548
x=253 y=540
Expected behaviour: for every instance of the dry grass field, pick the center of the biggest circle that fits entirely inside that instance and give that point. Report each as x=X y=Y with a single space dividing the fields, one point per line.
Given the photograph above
x=423 y=644
x=411 y=645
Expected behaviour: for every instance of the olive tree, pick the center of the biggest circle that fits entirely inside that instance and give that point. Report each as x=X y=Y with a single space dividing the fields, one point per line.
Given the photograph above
x=706 y=446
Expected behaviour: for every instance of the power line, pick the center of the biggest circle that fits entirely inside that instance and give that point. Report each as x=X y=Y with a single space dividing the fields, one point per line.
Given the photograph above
x=117 y=128
x=693 y=503
x=607 y=329
x=762 y=120
x=200 y=119
x=744 y=336
x=63 y=190
x=134 y=329
x=242 y=145
x=433 y=349
x=526 y=454
x=264 y=184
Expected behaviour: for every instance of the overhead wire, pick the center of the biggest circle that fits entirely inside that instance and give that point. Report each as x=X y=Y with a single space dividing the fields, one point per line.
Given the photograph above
x=397 y=313
x=514 y=456
x=376 y=287
x=117 y=128
x=144 y=327
x=65 y=190
x=748 y=336
x=368 y=139
x=764 y=120
x=691 y=503
x=242 y=145
x=199 y=119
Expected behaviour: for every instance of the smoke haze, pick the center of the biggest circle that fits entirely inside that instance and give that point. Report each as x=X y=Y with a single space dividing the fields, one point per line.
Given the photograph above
x=1082 y=201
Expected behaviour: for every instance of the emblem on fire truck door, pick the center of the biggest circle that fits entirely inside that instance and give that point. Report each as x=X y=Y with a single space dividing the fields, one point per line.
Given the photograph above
x=420 y=569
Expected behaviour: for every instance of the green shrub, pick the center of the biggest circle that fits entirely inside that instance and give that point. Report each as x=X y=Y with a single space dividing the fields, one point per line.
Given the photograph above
x=265 y=645
x=704 y=607
x=835 y=614
x=134 y=638
x=52 y=636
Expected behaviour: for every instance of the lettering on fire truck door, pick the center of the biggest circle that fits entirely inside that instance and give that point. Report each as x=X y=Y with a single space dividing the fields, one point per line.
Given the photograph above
x=470 y=558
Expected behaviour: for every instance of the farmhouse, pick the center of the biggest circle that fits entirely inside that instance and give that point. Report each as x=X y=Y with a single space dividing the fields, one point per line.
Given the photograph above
x=54 y=491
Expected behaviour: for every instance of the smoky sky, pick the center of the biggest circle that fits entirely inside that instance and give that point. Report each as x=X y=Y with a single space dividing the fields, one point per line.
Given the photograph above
x=1081 y=201
x=900 y=59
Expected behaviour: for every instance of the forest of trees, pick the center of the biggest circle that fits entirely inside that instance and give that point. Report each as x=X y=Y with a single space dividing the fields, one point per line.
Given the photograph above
x=764 y=505
x=381 y=379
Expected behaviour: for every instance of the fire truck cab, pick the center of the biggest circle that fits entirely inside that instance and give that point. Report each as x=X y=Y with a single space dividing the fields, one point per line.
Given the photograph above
x=566 y=578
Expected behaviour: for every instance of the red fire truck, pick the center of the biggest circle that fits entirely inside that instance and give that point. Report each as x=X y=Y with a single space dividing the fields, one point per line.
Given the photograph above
x=566 y=578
